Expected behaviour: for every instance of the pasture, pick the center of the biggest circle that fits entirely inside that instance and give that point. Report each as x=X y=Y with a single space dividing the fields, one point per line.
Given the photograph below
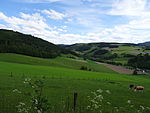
x=63 y=62
x=61 y=82
x=135 y=50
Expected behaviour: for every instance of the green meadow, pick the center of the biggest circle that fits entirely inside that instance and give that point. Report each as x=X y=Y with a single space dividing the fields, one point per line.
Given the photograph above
x=62 y=78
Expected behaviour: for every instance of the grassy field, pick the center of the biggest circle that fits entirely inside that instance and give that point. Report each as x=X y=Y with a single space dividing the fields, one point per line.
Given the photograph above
x=57 y=62
x=129 y=50
x=126 y=49
x=61 y=83
x=120 y=60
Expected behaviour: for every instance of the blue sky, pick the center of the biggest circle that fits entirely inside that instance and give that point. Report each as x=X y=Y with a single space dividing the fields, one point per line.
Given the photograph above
x=79 y=21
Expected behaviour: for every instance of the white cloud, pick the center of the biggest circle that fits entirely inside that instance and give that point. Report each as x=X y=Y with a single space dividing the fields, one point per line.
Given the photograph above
x=137 y=30
x=130 y=8
x=33 y=24
x=52 y=14
x=39 y=1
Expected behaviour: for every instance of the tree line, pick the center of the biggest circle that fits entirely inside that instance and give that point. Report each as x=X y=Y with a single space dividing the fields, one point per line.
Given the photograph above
x=15 y=42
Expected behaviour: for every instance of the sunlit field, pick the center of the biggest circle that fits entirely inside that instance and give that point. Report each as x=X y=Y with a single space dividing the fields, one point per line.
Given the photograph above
x=61 y=83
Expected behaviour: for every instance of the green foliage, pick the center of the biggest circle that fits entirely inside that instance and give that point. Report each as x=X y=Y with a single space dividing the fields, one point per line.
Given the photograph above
x=36 y=102
x=140 y=61
x=147 y=47
x=14 y=42
x=107 y=52
x=85 y=68
x=135 y=72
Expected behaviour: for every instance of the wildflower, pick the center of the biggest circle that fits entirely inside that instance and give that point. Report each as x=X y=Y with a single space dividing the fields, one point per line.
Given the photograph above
x=36 y=101
x=94 y=93
x=99 y=90
x=117 y=110
x=94 y=101
x=129 y=101
x=132 y=106
x=107 y=91
x=148 y=108
x=39 y=111
x=96 y=106
x=138 y=111
x=27 y=80
x=108 y=103
x=16 y=90
x=88 y=107
x=115 y=107
x=21 y=103
x=100 y=97
x=142 y=107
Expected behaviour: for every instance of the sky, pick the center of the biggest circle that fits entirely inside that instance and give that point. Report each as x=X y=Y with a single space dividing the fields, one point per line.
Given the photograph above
x=78 y=21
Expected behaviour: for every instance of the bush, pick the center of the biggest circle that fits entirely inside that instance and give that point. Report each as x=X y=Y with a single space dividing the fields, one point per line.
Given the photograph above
x=135 y=72
x=85 y=68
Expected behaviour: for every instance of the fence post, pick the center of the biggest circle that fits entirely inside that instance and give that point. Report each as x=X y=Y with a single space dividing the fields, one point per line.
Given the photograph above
x=75 y=101
x=11 y=74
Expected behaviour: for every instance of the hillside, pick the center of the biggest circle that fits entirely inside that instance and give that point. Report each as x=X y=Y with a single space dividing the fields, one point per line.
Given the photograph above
x=61 y=78
x=62 y=62
x=145 y=44
x=114 y=53
x=15 y=42
x=61 y=83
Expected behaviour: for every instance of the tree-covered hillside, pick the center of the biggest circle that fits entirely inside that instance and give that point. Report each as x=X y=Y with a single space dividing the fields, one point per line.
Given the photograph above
x=15 y=42
x=125 y=54
x=140 y=61
x=101 y=51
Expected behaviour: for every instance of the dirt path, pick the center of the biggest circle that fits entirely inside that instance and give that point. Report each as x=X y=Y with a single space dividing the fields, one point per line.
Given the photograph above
x=119 y=69
x=81 y=61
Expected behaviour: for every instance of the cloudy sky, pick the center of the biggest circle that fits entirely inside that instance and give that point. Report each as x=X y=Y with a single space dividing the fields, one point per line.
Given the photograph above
x=78 y=21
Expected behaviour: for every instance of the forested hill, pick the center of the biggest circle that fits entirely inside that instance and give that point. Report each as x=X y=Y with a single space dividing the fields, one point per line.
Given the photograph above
x=15 y=42
x=145 y=44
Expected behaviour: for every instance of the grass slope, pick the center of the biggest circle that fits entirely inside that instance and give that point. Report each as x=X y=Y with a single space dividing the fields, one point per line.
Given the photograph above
x=57 y=62
x=61 y=83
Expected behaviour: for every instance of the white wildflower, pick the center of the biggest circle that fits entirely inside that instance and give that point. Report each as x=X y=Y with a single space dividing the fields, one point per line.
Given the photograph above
x=39 y=111
x=107 y=91
x=36 y=101
x=94 y=93
x=129 y=101
x=21 y=103
x=148 y=108
x=16 y=90
x=27 y=80
x=132 y=106
x=99 y=90
x=138 y=111
x=88 y=107
x=108 y=103
x=142 y=107
x=96 y=106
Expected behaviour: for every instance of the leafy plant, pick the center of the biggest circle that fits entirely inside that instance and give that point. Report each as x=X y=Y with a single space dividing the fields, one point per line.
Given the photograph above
x=36 y=102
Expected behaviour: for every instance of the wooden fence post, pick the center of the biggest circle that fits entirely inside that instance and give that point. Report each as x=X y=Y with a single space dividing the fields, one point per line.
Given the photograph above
x=75 y=101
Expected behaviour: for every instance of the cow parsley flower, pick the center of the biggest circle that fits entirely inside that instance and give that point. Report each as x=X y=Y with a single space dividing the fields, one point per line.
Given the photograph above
x=108 y=103
x=16 y=90
x=142 y=107
x=129 y=101
x=99 y=90
x=27 y=80
x=132 y=106
x=148 y=108
x=107 y=91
